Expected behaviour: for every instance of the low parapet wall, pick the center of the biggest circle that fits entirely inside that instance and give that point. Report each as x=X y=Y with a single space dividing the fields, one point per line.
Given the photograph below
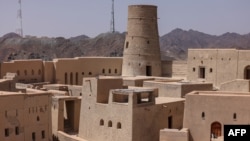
x=238 y=85
x=66 y=137
x=174 y=134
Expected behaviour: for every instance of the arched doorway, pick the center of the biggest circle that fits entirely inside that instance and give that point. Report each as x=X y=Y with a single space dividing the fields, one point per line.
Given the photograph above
x=247 y=72
x=215 y=130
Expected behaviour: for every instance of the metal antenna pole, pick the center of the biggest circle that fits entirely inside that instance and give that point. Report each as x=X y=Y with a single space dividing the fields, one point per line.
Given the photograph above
x=112 y=23
x=19 y=18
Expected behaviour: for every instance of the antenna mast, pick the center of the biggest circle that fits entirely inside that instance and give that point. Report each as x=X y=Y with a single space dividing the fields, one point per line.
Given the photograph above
x=112 y=23
x=19 y=29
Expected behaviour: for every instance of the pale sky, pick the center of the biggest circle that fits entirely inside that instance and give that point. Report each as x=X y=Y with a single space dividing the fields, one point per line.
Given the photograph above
x=69 y=18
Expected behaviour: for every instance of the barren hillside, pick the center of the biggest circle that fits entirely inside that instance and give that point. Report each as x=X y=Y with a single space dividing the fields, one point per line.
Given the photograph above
x=174 y=45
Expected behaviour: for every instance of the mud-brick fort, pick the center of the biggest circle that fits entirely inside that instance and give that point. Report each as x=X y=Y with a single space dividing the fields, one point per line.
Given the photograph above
x=138 y=97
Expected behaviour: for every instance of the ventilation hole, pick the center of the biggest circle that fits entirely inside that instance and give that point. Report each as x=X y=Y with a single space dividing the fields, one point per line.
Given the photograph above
x=235 y=116
x=203 y=115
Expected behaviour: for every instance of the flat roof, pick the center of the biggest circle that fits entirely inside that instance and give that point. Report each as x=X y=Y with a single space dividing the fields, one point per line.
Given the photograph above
x=109 y=77
x=137 y=77
x=212 y=49
x=6 y=93
x=177 y=82
x=220 y=93
x=4 y=80
x=67 y=97
x=126 y=91
x=24 y=60
x=88 y=57
x=56 y=85
x=142 y=5
x=9 y=93
x=163 y=100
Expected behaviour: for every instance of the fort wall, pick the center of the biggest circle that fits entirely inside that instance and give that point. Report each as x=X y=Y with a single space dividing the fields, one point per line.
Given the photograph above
x=174 y=69
x=138 y=120
x=26 y=118
x=206 y=111
x=218 y=65
x=28 y=71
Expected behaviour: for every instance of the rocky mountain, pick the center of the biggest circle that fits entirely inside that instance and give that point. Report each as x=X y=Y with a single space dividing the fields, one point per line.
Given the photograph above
x=174 y=45
x=13 y=47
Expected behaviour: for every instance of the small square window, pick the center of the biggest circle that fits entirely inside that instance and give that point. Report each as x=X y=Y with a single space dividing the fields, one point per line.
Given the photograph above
x=211 y=70
x=193 y=69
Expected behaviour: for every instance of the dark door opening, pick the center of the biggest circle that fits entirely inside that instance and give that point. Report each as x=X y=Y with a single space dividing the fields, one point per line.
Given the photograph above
x=69 y=116
x=66 y=78
x=77 y=78
x=71 y=78
x=202 y=72
x=247 y=72
x=170 y=122
x=33 y=136
x=148 y=70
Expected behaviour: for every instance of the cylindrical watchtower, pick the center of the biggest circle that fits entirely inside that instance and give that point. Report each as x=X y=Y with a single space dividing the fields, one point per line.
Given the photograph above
x=141 y=55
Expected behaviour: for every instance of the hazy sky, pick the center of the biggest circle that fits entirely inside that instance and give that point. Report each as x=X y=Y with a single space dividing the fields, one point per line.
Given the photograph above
x=69 y=18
